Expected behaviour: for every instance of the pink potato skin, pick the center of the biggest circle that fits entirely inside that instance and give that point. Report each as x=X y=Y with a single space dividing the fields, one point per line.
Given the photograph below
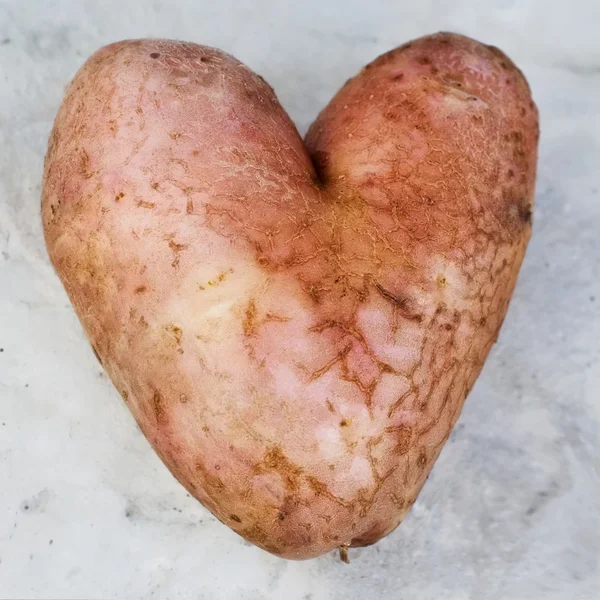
x=294 y=326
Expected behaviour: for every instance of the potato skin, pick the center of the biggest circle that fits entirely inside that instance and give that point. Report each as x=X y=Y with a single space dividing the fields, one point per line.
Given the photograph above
x=295 y=343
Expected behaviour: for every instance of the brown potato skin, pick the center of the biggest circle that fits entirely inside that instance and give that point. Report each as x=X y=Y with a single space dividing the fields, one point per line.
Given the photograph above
x=294 y=327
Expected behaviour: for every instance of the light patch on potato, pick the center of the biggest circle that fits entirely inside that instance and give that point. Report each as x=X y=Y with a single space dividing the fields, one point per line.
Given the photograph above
x=459 y=100
x=448 y=285
x=478 y=65
x=359 y=474
x=214 y=298
x=395 y=339
x=331 y=444
x=392 y=387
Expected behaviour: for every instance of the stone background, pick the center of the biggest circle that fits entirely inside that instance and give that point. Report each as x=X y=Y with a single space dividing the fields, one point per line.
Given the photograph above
x=512 y=508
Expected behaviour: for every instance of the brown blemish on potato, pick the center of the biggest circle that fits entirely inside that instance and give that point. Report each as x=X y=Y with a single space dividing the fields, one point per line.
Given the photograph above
x=397 y=500
x=290 y=474
x=145 y=204
x=404 y=304
x=157 y=404
x=235 y=518
x=402 y=435
x=249 y=321
x=84 y=164
x=525 y=213
x=341 y=354
x=140 y=289
x=213 y=485
x=175 y=331
x=292 y=479
x=177 y=249
x=154 y=55
x=119 y=197
x=272 y=318
x=321 y=489
x=221 y=277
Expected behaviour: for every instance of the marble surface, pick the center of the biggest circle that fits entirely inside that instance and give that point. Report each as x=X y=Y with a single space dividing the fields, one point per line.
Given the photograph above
x=512 y=508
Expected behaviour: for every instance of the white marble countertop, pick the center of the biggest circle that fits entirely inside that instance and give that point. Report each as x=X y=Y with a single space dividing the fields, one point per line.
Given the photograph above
x=512 y=508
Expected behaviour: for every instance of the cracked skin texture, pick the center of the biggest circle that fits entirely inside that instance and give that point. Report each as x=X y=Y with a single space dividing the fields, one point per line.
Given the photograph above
x=294 y=325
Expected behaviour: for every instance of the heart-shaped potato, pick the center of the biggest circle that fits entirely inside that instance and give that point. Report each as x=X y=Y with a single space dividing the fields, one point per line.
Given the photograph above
x=295 y=326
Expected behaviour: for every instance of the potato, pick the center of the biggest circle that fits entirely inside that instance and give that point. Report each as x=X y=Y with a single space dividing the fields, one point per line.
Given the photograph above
x=294 y=326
